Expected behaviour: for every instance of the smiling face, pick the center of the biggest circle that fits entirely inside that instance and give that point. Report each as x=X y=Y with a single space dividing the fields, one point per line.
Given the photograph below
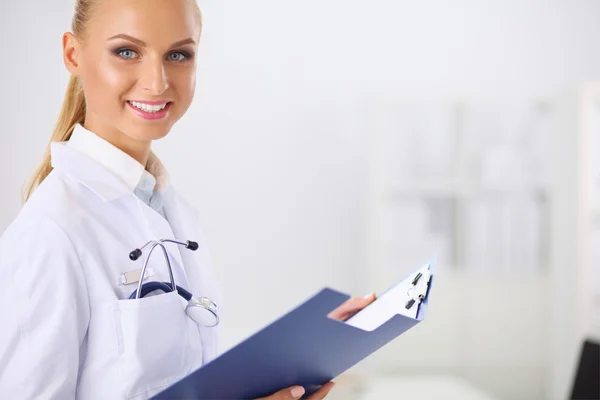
x=136 y=62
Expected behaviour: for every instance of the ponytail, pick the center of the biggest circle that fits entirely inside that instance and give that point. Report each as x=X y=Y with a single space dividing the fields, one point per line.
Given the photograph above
x=71 y=114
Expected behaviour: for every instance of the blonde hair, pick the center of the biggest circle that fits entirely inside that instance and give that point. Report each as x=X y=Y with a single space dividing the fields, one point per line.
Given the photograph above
x=73 y=107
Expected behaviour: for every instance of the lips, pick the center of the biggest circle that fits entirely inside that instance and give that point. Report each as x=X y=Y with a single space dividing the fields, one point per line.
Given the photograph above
x=150 y=110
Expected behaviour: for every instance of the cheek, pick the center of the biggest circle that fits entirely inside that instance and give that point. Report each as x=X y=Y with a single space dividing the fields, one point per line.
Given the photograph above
x=185 y=82
x=105 y=83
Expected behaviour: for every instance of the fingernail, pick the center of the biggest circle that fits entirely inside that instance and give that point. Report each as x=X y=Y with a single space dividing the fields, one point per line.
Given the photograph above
x=297 y=392
x=369 y=296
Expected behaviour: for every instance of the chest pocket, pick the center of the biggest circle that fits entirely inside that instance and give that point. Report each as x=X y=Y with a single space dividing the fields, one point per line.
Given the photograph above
x=158 y=342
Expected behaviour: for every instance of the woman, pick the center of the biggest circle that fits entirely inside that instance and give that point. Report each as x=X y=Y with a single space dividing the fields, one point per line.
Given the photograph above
x=71 y=330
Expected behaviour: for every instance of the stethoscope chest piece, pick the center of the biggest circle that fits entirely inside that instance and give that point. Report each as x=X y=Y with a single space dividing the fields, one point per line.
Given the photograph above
x=203 y=311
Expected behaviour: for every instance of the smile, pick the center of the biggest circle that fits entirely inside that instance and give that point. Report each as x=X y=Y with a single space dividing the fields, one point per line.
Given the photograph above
x=150 y=110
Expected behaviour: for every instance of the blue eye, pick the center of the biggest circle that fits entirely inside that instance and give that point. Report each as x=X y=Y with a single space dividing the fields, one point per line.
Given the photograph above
x=181 y=58
x=126 y=53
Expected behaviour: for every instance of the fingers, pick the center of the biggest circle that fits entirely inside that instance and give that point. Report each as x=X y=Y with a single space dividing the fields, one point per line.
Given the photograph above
x=296 y=392
x=351 y=307
x=321 y=393
x=291 y=393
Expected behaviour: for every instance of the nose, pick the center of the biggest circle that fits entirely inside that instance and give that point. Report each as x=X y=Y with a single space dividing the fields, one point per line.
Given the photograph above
x=154 y=78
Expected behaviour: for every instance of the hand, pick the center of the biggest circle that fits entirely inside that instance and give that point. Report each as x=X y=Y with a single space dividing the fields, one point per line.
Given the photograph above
x=296 y=392
x=342 y=313
x=351 y=307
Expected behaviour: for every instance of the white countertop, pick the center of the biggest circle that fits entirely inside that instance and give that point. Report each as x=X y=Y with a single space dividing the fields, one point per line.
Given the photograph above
x=435 y=387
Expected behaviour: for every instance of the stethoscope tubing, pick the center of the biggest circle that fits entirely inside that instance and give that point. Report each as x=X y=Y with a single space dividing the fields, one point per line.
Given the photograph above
x=141 y=281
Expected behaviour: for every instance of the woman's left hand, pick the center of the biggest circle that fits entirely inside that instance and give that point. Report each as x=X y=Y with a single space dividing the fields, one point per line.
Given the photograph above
x=351 y=307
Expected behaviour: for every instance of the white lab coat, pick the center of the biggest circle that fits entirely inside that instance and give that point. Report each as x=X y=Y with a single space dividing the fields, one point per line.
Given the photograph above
x=68 y=329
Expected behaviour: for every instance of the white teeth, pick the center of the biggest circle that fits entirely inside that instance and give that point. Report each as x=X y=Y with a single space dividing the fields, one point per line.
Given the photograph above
x=148 y=108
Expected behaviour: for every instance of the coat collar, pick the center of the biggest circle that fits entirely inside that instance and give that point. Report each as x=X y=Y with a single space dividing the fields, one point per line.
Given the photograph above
x=92 y=171
x=105 y=153
x=105 y=184
x=95 y=163
x=87 y=171
x=109 y=187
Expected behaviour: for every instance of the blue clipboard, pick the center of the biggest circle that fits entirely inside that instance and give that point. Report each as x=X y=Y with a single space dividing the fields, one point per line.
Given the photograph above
x=304 y=347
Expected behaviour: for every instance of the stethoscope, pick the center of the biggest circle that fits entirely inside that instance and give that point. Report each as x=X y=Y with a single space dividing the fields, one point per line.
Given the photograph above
x=202 y=310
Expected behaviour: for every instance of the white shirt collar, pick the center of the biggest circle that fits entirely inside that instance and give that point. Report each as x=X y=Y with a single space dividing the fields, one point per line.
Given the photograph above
x=118 y=162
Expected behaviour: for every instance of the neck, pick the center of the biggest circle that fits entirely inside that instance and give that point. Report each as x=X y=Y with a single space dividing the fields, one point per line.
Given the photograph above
x=137 y=149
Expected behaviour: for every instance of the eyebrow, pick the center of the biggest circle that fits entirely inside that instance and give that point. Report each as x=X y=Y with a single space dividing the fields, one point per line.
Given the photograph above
x=142 y=44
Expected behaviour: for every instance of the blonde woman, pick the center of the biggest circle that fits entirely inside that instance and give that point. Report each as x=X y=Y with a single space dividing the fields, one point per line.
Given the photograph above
x=73 y=322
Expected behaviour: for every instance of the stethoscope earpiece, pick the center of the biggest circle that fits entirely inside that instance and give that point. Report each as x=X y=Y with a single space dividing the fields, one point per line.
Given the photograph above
x=134 y=255
x=192 y=245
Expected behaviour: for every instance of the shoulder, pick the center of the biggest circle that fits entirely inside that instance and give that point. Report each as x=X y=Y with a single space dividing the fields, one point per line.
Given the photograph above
x=56 y=196
x=33 y=231
x=36 y=252
x=43 y=221
x=58 y=199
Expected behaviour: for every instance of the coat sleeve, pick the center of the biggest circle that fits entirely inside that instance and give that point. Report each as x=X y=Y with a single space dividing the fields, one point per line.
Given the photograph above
x=45 y=312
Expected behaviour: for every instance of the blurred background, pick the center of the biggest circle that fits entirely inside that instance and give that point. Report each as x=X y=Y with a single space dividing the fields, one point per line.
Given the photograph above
x=344 y=143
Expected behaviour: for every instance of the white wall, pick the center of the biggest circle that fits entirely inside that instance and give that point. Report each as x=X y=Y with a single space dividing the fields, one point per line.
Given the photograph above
x=272 y=151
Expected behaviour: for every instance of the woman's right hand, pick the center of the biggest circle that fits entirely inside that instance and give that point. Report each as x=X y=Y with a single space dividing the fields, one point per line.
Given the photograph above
x=296 y=392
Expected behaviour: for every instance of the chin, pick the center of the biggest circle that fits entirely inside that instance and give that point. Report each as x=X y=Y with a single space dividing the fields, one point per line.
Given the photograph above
x=145 y=131
x=150 y=124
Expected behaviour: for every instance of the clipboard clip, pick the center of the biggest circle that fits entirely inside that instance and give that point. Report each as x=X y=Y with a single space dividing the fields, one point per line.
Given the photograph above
x=418 y=289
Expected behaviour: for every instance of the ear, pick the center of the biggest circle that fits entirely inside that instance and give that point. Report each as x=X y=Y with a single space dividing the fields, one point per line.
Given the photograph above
x=71 y=53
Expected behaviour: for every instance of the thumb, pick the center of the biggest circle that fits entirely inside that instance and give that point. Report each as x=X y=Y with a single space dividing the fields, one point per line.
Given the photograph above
x=296 y=392
x=291 y=393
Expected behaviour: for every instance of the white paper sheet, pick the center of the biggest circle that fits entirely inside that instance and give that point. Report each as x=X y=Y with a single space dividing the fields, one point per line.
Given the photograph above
x=390 y=303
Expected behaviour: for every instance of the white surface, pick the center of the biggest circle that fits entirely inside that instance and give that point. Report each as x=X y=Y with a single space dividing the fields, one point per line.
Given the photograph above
x=584 y=278
x=590 y=219
x=418 y=388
